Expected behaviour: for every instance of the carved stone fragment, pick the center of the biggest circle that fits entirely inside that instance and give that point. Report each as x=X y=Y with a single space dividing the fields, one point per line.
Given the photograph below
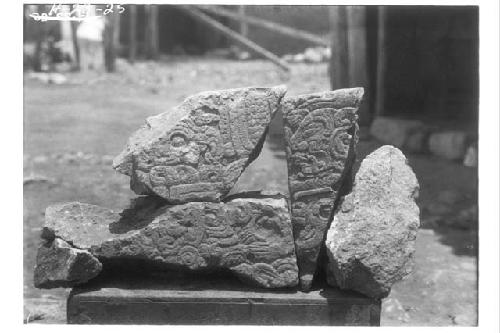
x=320 y=136
x=251 y=237
x=197 y=151
x=371 y=241
x=61 y=265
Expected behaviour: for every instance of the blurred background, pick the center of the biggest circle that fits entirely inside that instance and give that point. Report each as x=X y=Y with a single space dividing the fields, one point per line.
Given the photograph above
x=89 y=82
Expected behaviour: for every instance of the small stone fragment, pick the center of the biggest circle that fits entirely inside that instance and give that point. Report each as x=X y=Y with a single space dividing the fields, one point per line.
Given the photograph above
x=320 y=137
x=251 y=237
x=471 y=156
x=197 y=151
x=58 y=264
x=450 y=144
x=371 y=241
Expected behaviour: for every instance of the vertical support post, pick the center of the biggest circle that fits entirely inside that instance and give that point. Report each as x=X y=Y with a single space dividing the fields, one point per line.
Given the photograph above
x=109 y=41
x=41 y=36
x=132 y=33
x=152 y=40
x=339 y=62
x=381 y=60
x=357 y=42
x=243 y=24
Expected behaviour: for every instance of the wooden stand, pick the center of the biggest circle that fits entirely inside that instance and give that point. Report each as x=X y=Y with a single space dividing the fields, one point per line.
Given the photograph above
x=215 y=302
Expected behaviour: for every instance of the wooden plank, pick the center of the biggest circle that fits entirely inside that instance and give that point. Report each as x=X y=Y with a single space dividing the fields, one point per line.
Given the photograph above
x=238 y=38
x=212 y=302
x=273 y=26
x=132 y=33
x=381 y=61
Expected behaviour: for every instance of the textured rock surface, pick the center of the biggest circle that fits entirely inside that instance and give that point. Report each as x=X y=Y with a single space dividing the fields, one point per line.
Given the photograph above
x=251 y=237
x=409 y=135
x=371 y=241
x=320 y=136
x=61 y=265
x=197 y=151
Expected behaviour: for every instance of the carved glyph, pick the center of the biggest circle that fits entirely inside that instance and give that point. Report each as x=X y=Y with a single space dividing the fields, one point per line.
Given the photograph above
x=197 y=151
x=320 y=137
x=250 y=237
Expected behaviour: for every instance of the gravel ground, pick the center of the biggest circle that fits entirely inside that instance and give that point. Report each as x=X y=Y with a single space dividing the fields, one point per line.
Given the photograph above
x=73 y=130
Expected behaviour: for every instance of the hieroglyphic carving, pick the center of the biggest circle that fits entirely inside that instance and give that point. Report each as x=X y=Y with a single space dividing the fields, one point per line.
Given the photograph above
x=320 y=135
x=197 y=151
x=251 y=237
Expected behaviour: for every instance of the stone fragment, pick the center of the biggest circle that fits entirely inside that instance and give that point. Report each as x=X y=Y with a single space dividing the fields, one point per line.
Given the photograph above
x=197 y=151
x=450 y=144
x=320 y=137
x=58 y=264
x=409 y=135
x=371 y=241
x=471 y=156
x=251 y=237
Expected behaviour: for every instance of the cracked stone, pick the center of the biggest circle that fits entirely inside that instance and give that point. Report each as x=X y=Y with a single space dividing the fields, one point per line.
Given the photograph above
x=198 y=150
x=320 y=136
x=250 y=237
x=58 y=264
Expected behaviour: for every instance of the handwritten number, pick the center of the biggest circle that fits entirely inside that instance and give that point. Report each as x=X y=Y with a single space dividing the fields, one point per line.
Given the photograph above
x=108 y=10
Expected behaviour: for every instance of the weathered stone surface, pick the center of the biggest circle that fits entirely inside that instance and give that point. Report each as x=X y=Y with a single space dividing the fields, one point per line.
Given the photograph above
x=197 y=151
x=409 y=135
x=320 y=136
x=450 y=144
x=371 y=241
x=251 y=237
x=61 y=265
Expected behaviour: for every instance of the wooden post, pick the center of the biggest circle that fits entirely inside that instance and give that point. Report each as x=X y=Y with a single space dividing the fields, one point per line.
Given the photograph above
x=358 y=57
x=381 y=61
x=199 y=15
x=276 y=27
x=41 y=36
x=243 y=24
x=152 y=40
x=338 y=68
x=76 y=46
x=132 y=33
x=109 y=41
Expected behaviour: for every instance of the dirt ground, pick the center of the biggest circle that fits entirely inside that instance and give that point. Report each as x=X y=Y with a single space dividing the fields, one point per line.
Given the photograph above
x=73 y=130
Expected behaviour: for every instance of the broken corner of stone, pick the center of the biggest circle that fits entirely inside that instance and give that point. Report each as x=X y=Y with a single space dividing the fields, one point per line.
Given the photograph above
x=198 y=150
x=371 y=241
x=60 y=265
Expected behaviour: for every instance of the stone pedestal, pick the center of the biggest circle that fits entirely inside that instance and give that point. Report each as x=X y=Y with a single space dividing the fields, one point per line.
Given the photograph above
x=215 y=302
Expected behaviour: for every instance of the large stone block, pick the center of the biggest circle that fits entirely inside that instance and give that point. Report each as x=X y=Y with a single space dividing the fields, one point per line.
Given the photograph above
x=197 y=151
x=320 y=136
x=371 y=241
x=250 y=237
x=409 y=135
x=449 y=144
x=58 y=264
